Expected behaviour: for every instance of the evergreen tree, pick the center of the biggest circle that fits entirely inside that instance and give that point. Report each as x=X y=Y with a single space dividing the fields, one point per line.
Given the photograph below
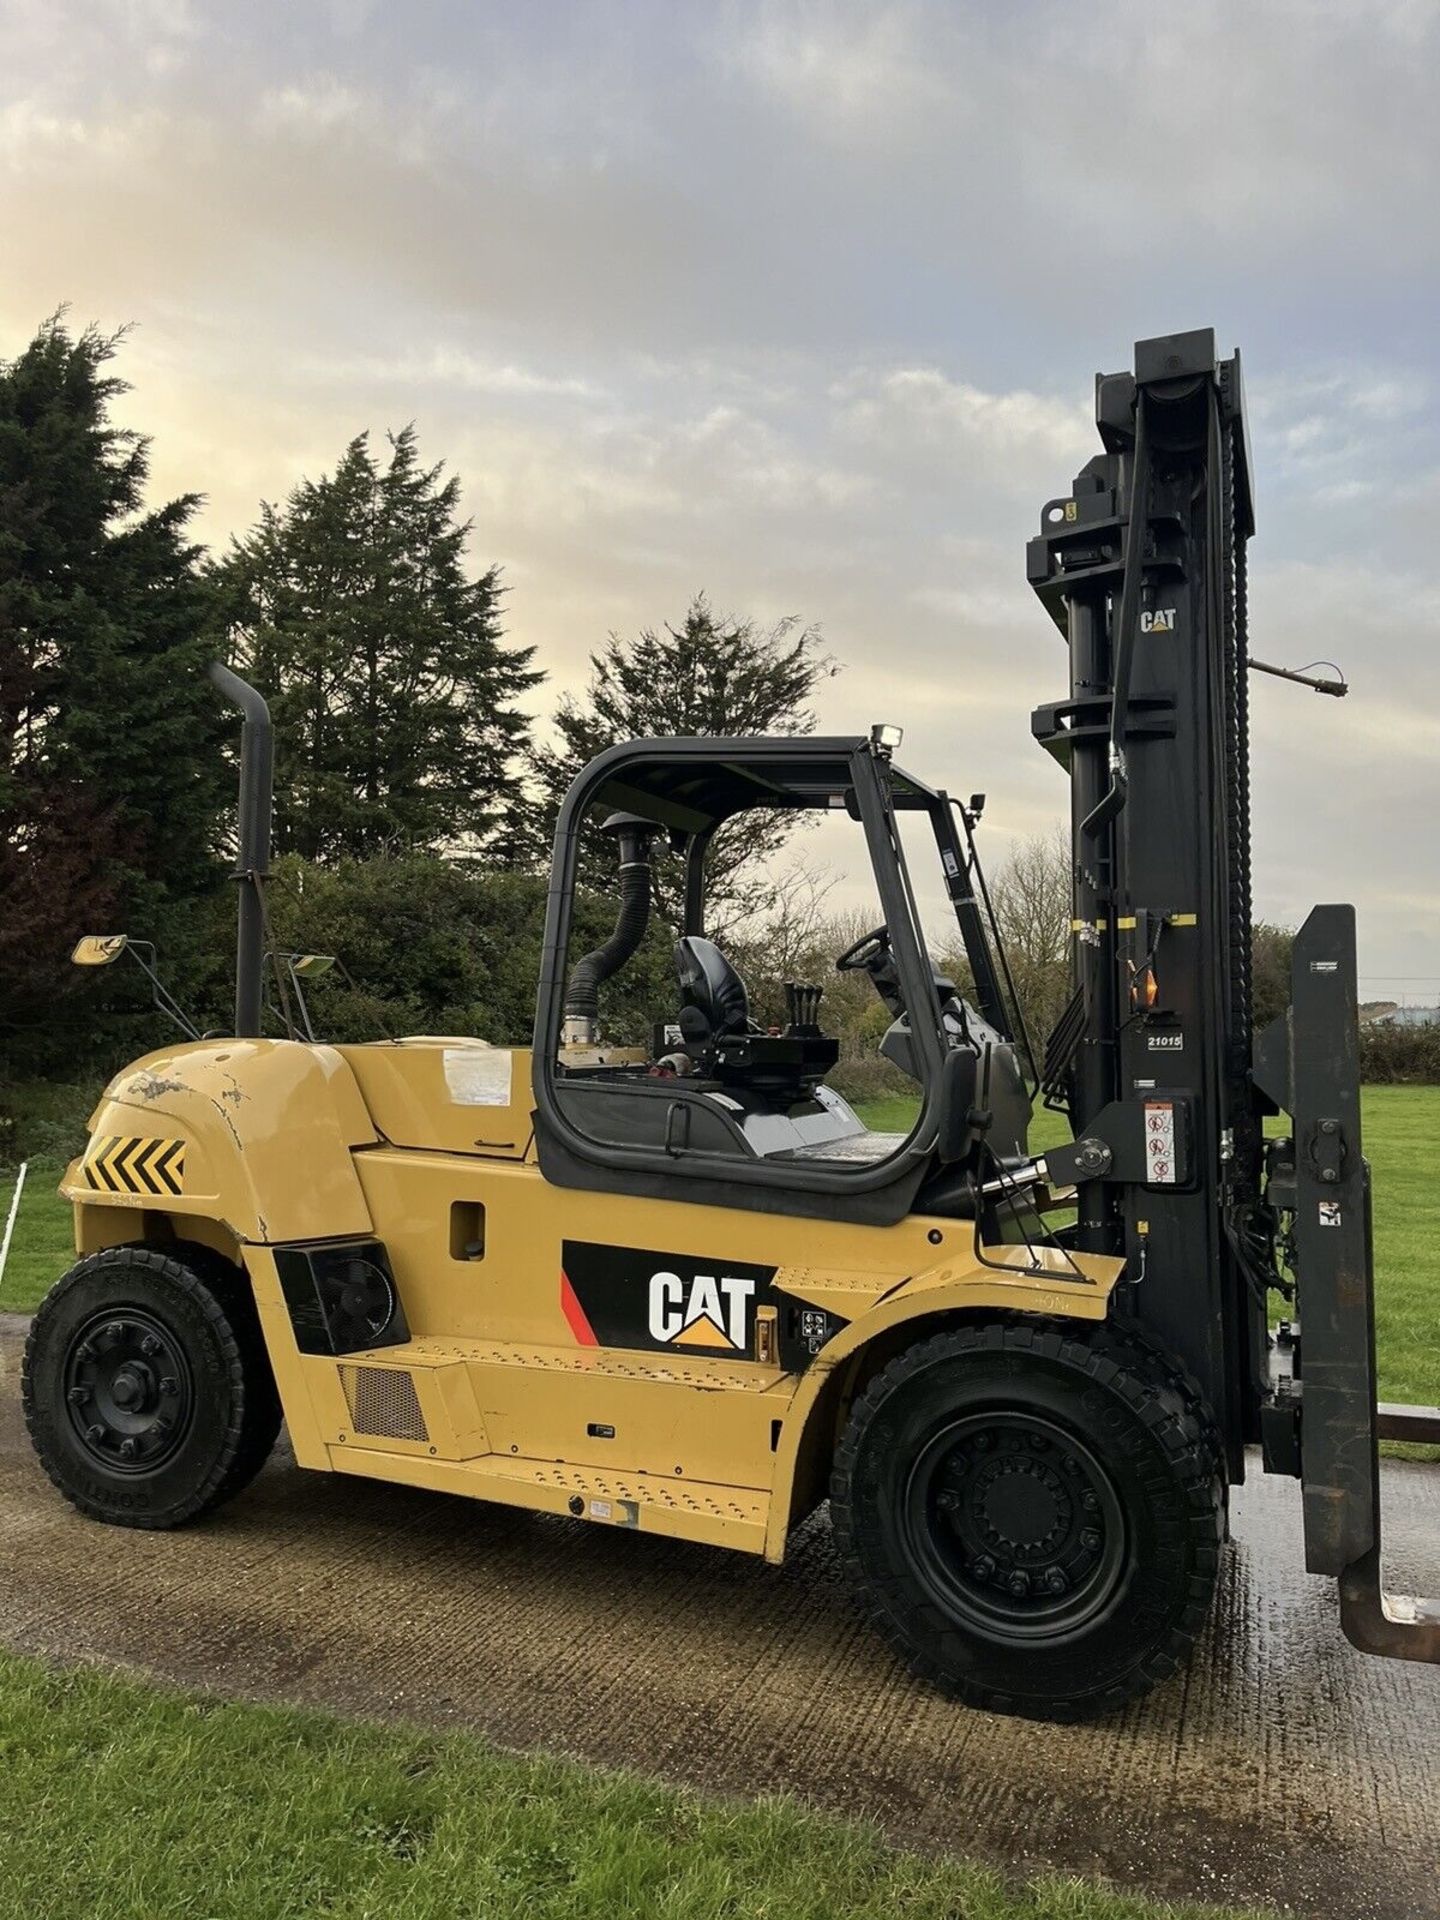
x=392 y=691
x=709 y=675
x=111 y=782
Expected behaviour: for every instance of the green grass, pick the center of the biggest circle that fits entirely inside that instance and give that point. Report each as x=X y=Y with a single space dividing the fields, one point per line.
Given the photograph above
x=43 y=1246
x=896 y=1114
x=123 y=1801
x=1402 y=1140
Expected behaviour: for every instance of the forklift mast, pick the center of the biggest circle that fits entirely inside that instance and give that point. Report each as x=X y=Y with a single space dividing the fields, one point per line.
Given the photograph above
x=1142 y=567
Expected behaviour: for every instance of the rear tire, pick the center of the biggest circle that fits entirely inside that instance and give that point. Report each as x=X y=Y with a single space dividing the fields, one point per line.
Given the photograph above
x=146 y=1387
x=1032 y=1514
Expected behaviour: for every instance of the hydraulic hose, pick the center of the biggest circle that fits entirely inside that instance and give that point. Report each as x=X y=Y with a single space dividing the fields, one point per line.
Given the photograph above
x=1114 y=798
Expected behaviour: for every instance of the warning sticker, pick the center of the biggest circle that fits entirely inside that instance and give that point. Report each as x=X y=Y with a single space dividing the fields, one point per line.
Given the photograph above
x=1330 y=1213
x=1160 y=1143
x=478 y=1076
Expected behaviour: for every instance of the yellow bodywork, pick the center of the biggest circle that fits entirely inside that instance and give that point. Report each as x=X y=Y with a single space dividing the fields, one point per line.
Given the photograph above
x=426 y=1145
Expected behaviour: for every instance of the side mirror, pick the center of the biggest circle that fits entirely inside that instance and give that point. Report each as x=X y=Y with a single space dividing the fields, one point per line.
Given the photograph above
x=99 y=949
x=104 y=949
x=962 y=1121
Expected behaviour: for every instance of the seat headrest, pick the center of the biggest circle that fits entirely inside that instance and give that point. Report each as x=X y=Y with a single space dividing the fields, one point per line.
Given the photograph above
x=711 y=985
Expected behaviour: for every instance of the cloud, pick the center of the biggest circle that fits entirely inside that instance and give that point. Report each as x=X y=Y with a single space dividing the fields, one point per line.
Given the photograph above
x=35 y=139
x=797 y=303
x=454 y=369
x=313 y=109
x=920 y=407
x=850 y=70
x=1296 y=120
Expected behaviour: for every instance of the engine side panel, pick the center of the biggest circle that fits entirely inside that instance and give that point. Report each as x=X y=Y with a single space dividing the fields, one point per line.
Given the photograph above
x=255 y=1136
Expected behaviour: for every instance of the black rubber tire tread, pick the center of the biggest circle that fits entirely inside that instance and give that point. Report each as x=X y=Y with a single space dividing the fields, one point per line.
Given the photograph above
x=260 y=1428
x=1163 y=1399
x=212 y=1308
x=1179 y=1376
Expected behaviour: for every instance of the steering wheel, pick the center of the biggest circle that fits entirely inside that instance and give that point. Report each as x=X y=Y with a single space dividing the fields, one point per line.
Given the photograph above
x=866 y=953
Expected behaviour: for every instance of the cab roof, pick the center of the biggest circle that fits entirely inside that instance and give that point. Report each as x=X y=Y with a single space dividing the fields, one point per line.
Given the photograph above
x=692 y=784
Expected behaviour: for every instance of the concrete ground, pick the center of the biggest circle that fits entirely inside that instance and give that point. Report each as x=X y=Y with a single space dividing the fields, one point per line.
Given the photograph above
x=1283 y=1767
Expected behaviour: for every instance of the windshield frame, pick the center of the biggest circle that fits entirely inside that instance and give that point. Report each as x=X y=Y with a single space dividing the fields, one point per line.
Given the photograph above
x=871 y=781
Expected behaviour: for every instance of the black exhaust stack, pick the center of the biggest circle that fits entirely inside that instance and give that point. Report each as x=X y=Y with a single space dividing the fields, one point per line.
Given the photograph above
x=252 y=856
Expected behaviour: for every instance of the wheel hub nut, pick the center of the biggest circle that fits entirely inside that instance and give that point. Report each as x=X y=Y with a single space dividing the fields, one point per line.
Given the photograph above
x=1019 y=1583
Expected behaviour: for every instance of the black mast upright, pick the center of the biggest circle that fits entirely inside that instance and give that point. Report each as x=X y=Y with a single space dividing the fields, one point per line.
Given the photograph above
x=1142 y=568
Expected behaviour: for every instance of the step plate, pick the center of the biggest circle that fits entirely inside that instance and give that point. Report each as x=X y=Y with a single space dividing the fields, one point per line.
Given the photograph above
x=720 y=1516
x=720 y=1375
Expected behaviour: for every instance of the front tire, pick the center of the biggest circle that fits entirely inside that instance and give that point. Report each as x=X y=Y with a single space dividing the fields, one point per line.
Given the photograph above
x=146 y=1387
x=1032 y=1515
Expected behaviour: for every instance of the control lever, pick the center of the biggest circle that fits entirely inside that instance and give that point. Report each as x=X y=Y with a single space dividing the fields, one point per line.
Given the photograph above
x=802 y=1007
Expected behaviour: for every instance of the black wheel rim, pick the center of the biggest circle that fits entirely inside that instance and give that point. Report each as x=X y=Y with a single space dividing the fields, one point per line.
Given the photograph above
x=1015 y=1526
x=129 y=1392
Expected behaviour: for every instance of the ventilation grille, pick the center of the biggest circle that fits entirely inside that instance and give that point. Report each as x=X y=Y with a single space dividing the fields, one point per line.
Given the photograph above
x=384 y=1403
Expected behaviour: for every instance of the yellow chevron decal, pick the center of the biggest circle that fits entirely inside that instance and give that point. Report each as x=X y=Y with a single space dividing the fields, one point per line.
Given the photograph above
x=125 y=1164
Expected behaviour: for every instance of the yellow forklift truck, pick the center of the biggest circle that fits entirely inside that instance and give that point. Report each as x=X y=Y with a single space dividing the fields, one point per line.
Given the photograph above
x=680 y=1287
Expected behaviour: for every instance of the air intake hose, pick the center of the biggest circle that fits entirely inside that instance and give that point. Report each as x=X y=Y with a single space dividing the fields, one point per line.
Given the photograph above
x=582 y=996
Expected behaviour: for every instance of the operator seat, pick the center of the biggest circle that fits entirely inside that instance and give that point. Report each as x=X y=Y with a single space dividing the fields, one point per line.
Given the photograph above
x=711 y=988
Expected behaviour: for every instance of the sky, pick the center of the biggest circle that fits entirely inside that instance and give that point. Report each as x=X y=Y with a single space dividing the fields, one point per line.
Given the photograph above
x=800 y=305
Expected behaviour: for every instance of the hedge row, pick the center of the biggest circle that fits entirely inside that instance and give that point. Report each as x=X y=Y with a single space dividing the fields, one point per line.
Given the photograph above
x=1395 y=1054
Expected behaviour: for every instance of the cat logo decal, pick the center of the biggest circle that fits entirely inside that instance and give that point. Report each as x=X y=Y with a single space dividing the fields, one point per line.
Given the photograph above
x=658 y=1299
x=710 y=1310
